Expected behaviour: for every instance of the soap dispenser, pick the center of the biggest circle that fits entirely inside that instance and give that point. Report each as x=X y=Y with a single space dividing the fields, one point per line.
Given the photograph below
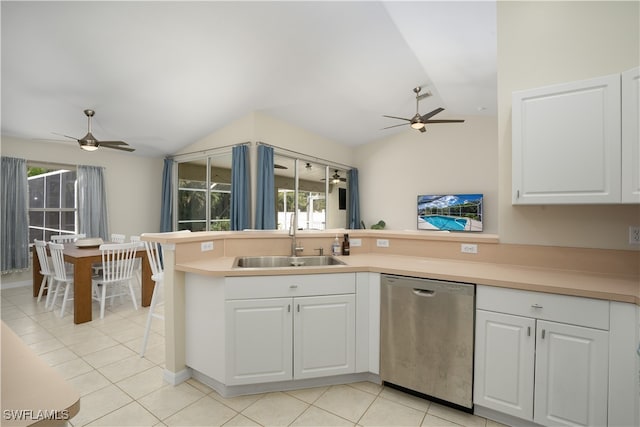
x=346 y=246
x=335 y=246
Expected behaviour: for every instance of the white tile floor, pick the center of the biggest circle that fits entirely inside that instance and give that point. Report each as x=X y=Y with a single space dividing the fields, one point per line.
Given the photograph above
x=118 y=388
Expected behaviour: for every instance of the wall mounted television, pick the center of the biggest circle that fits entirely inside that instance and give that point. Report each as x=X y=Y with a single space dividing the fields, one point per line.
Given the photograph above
x=450 y=212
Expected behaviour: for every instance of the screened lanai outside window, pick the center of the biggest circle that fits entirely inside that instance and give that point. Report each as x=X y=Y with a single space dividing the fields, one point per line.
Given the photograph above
x=204 y=195
x=52 y=202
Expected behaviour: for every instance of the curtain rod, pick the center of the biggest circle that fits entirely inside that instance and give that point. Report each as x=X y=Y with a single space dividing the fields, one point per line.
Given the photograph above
x=209 y=150
x=306 y=156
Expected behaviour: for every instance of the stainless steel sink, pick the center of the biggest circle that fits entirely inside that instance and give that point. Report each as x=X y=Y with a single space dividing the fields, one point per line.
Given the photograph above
x=285 y=261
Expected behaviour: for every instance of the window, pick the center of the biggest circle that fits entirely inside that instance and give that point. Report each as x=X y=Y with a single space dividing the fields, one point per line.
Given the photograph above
x=52 y=202
x=315 y=188
x=204 y=194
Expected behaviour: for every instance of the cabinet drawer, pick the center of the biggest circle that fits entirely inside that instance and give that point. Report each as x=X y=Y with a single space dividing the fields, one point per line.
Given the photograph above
x=289 y=286
x=580 y=311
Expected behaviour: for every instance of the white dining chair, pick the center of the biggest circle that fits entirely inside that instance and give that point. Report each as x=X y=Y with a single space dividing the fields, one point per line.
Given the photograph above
x=117 y=272
x=61 y=277
x=46 y=270
x=154 y=254
x=118 y=238
x=137 y=262
x=157 y=275
x=67 y=238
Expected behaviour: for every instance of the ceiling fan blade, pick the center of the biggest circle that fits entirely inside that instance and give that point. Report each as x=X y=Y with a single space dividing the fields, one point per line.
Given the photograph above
x=395 y=126
x=111 y=143
x=116 y=147
x=66 y=136
x=431 y=114
x=445 y=121
x=399 y=118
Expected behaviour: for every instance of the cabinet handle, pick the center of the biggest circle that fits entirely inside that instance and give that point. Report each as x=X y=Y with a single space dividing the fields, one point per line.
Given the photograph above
x=298 y=308
x=543 y=333
x=536 y=306
x=518 y=194
x=528 y=331
x=293 y=286
x=289 y=308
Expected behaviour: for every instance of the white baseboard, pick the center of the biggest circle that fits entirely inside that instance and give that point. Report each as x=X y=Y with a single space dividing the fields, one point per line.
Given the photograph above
x=12 y=285
x=175 y=378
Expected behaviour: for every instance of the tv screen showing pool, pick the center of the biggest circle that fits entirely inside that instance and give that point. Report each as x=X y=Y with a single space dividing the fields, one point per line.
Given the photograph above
x=450 y=212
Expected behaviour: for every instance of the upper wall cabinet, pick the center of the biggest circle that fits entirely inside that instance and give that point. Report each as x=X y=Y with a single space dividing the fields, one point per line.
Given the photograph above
x=567 y=143
x=631 y=136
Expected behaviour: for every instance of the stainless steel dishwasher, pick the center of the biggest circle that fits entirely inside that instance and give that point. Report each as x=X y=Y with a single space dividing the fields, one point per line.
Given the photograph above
x=427 y=330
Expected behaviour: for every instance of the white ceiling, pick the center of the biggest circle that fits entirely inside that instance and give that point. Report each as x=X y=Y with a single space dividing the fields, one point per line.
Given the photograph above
x=162 y=75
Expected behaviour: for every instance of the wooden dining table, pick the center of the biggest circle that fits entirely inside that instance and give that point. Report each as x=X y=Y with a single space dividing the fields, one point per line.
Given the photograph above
x=82 y=260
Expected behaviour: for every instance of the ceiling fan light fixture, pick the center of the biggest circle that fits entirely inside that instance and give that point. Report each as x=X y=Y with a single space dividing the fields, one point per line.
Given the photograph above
x=89 y=147
x=417 y=125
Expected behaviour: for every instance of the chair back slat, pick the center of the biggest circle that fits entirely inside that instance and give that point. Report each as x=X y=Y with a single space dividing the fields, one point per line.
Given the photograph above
x=154 y=254
x=118 y=261
x=41 y=250
x=118 y=238
x=57 y=257
x=67 y=238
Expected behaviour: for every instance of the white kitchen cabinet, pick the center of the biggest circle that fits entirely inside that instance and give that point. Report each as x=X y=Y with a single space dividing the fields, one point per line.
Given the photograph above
x=259 y=340
x=571 y=375
x=324 y=336
x=292 y=331
x=504 y=363
x=631 y=136
x=533 y=362
x=566 y=143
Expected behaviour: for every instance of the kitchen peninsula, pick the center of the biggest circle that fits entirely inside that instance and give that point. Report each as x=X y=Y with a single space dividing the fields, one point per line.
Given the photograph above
x=203 y=262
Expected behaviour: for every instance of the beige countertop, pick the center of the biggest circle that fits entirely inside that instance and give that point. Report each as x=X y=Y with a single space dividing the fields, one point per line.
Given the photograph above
x=565 y=282
x=33 y=393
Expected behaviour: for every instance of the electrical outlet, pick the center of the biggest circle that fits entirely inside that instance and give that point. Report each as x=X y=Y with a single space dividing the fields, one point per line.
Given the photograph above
x=355 y=243
x=382 y=243
x=469 y=248
x=634 y=235
x=206 y=246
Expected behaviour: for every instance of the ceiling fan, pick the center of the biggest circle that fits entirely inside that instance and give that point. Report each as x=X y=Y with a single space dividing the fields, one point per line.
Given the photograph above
x=418 y=122
x=336 y=178
x=90 y=143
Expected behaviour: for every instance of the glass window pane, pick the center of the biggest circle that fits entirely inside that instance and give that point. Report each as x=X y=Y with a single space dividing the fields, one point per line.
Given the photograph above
x=67 y=188
x=36 y=192
x=35 y=233
x=52 y=191
x=68 y=222
x=52 y=220
x=36 y=219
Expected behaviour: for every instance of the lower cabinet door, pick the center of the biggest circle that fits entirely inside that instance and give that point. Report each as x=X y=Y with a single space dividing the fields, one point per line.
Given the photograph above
x=504 y=363
x=571 y=375
x=324 y=336
x=259 y=340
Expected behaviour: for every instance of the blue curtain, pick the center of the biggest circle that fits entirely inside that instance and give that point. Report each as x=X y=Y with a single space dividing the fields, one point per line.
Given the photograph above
x=354 y=199
x=92 y=202
x=265 y=199
x=166 y=204
x=14 y=240
x=240 y=187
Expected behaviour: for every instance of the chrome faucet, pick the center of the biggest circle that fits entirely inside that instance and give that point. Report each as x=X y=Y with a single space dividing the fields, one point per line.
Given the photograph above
x=292 y=233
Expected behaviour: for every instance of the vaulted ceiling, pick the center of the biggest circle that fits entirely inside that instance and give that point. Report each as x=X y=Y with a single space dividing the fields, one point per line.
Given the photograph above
x=162 y=75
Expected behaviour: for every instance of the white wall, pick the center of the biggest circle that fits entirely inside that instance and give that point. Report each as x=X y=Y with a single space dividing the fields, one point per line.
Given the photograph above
x=542 y=43
x=447 y=158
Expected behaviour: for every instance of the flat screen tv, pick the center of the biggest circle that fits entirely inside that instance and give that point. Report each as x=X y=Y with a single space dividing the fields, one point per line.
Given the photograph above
x=450 y=212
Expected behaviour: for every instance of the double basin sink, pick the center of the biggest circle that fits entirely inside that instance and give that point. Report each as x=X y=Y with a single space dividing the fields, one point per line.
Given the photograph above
x=285 y=261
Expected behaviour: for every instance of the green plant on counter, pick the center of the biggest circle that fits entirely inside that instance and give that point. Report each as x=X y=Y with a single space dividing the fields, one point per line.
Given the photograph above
x=379 y=226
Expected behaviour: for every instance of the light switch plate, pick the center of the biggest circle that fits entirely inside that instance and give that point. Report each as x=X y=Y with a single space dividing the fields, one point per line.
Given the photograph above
x=382 y=243
x=355 y=242
x=206 y=246
x=634 y=235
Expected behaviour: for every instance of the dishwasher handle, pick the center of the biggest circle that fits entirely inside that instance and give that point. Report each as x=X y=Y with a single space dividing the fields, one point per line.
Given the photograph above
x=424 y=292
